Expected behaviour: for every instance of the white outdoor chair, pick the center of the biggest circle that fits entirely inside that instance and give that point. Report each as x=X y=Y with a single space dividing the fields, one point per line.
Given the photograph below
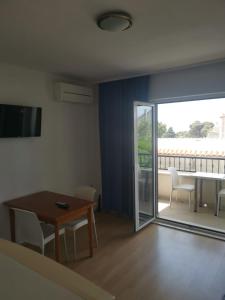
x=85 y=193
x=179 y=187
x=30 y=230
x=221 y=194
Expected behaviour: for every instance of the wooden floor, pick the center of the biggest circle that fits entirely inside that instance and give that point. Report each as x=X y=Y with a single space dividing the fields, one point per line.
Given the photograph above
x=156 y=263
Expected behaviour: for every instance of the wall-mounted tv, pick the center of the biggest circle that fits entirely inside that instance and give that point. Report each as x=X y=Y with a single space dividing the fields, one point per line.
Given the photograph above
x=19 y=121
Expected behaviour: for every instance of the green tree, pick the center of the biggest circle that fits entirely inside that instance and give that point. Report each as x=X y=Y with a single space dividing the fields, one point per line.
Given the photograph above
x=199 y=130
x=182 y=134
x=144 y=135
x=144 y=128
x=170 y=133
x=207 y=127
x=162 y=129
x=195 y=129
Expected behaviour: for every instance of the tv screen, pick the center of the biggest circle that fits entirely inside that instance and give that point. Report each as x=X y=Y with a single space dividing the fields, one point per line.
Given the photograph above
x=19 y=121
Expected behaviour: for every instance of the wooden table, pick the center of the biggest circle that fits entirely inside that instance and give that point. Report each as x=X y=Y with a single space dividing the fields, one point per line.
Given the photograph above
x=43 y=204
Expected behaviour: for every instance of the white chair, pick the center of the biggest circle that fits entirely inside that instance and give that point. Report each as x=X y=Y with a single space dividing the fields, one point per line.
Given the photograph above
x=85 y=193
x=221 y=194
x=30 y=230
x=179 y=187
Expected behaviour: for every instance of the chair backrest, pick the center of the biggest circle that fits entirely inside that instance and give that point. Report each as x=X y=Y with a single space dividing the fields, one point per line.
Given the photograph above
x=28 y=228
x=174 y=175
x=85 y=193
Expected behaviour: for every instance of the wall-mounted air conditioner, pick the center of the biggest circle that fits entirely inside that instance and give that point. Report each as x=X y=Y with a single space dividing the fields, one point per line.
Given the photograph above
x=73 y=93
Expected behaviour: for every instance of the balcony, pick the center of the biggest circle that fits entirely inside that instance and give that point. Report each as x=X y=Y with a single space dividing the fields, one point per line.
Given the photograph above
x=180 y=210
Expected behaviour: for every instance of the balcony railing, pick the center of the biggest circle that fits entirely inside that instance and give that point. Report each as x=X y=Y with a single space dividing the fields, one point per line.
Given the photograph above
x=185 y=163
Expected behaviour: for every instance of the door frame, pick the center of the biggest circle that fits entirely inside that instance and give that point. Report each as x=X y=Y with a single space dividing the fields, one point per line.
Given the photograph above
x=135 y=164
x=196 y=229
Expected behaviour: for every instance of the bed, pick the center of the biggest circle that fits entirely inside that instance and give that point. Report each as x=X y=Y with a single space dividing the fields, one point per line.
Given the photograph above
x=25 y=274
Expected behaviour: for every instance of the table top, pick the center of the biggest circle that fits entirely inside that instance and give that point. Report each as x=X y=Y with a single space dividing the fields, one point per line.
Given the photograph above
x=209 y=175
x=204 y=175
x=43 y=204
x=216 y=176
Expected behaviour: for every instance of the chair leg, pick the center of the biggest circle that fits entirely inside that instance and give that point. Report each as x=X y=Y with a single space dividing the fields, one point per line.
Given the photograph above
x=218 y=206
x=74 y=245
x=53 y=246
x=189 y=200
x=43 y=249
x=95 y=234
x=171 y=198
x=65 y=245
x=94 y=227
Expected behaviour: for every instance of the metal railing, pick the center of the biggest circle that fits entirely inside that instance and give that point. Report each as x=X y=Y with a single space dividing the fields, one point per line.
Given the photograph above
x=185 y=163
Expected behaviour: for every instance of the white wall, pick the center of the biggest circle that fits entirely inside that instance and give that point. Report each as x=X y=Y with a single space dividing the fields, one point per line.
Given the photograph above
x=208 y=78
x=66 y=154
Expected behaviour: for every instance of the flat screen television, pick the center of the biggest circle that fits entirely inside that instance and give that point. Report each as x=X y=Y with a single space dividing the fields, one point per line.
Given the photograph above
x=19 y=121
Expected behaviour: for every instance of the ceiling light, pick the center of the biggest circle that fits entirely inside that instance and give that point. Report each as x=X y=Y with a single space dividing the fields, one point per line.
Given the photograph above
x=114 y=21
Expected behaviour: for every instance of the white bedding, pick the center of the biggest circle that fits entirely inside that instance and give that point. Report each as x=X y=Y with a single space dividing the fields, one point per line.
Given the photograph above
x=19 y=282
x=24 y=261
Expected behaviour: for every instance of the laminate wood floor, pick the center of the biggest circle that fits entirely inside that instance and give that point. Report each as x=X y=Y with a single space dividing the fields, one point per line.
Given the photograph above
x=158 y=263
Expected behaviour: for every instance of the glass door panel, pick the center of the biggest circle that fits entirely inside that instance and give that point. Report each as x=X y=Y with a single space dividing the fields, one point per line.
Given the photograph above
x=144 y=164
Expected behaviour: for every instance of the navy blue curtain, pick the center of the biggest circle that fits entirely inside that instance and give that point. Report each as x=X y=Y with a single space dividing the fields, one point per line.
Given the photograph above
x=116 y=135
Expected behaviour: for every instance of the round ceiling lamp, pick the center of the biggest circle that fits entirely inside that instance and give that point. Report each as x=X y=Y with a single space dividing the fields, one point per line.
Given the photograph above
x=114 y=21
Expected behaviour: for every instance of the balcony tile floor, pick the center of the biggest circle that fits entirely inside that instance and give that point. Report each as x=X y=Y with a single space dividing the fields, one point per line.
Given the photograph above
x=180 y=212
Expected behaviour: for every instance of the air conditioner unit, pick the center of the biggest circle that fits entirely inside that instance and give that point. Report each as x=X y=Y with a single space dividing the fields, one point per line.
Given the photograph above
x=73 y=93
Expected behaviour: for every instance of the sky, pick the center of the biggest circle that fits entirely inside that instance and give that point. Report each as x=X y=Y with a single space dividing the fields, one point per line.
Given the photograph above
x=181 y=115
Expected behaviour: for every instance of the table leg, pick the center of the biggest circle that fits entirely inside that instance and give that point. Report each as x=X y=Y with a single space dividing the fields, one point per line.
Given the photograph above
x=217 y=190
x=12 y=224
x=196 y=195
x=220 y=188
x=57 y=243
x=216 y=207
x=200 y=183
x=90 y=230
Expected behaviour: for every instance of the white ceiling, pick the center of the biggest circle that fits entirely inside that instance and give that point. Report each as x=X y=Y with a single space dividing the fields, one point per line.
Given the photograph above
x=61 y=36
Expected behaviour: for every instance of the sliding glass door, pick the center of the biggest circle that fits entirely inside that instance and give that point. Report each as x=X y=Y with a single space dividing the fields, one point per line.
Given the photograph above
x=144 y=158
